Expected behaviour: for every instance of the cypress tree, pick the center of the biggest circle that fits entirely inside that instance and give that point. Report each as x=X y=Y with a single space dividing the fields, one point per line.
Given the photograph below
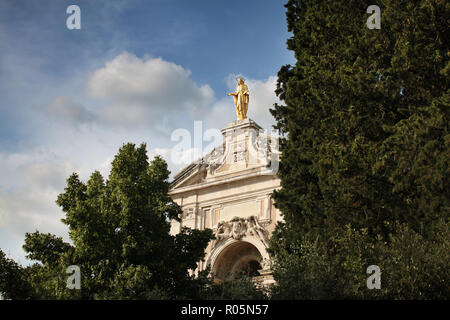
x=365 y=116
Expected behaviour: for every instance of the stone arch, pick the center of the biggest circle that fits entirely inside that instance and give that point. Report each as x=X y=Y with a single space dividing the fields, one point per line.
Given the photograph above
x=232 y=256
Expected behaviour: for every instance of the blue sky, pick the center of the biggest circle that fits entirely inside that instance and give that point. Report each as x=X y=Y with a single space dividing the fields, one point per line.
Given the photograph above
x=135 y=72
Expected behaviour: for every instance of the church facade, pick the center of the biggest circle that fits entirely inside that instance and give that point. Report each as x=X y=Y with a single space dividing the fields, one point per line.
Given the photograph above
x=229 y=191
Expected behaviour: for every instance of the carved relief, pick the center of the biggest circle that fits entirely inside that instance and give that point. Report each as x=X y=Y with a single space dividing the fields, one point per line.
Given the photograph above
x=256 y=230
x=266 y=264
x=237 y=228
x=239 y=155
x=216 y=158
x=188 y=213
x=262 y=148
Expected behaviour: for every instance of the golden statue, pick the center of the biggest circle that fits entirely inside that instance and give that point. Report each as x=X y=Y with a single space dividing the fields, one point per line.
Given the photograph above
x=241 y=99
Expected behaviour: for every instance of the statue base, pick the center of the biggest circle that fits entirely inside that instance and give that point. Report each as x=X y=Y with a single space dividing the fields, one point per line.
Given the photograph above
x=243 y=125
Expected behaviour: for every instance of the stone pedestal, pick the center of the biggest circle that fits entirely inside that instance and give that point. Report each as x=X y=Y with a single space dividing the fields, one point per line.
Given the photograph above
x=244 y=125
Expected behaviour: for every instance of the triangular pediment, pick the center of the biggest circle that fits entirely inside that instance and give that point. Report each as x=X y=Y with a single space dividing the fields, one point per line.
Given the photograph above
x=244 y=150
x=193 y=174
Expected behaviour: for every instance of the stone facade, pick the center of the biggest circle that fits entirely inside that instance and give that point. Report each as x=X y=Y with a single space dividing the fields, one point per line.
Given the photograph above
x=229 y=191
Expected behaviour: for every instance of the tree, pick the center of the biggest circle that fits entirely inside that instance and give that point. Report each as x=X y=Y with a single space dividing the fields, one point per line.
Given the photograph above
x=240 y=288
x=13 y=284
x=120 y=234
x=334 y=265
x=366 y=115
x=366 y=121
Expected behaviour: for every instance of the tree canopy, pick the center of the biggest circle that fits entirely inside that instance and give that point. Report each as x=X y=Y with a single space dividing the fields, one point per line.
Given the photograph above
x=121 y=241
x=366 y=115
x=366 y=123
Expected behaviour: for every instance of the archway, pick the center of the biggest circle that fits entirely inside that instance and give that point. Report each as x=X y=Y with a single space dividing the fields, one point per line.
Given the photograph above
x=236 y=258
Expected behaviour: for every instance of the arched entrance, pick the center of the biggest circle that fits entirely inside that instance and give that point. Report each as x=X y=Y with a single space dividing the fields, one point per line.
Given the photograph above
x=236 y=258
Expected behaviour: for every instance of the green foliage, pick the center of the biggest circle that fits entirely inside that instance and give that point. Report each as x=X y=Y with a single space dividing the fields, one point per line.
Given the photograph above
x=366 y=121
x=324 y=268
x=366 y=115
x=241 y=288
x=13 y=284
x=416 y=267
x=46 y=248
x=335 y=267
x=120 y=234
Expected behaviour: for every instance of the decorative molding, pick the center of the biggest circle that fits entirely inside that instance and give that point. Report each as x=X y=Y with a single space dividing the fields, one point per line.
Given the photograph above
x=237 y=228
x=235 y=199
x=188 y=213
x=203 y=185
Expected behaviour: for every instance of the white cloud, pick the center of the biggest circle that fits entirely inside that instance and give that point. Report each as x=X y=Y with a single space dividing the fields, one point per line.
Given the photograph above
x=152 y=92
x=144 y=91
x=63 y=108
x=262 y=98
x=137 y=100
x=47 y=175
x=31 y=207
